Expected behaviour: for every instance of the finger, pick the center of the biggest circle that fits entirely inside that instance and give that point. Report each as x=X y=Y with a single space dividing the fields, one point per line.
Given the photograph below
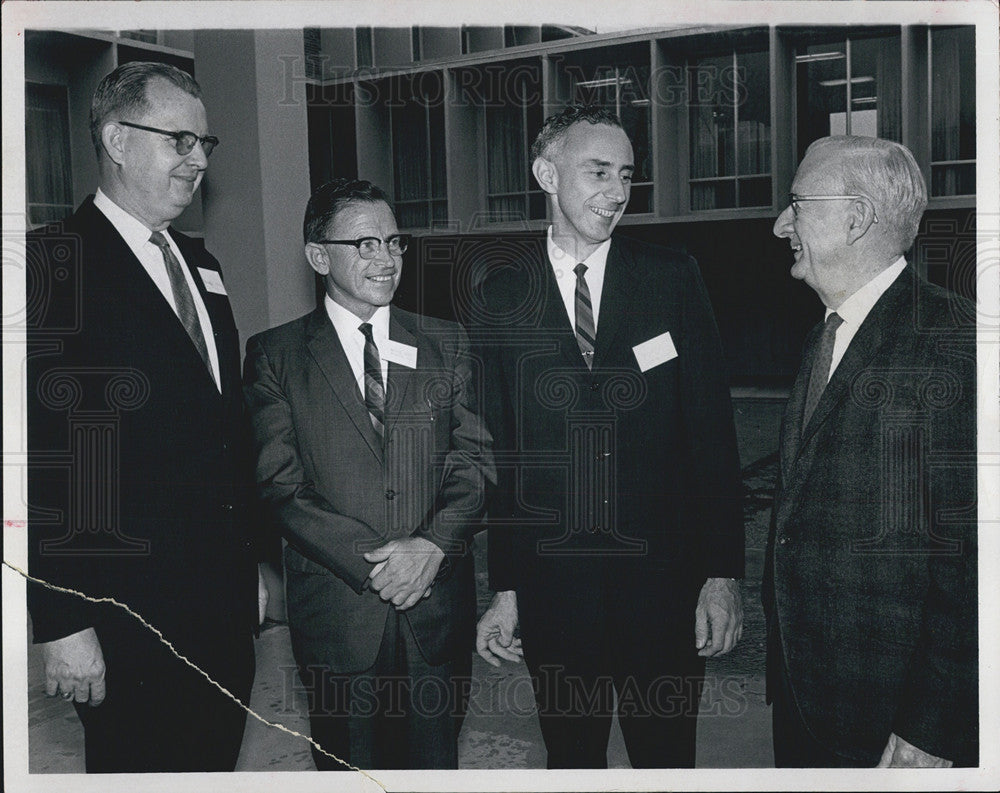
x=377 y=569
x=410 y=602
x=51 y=686
x=381 y=553
x=384 y=579
x=483 y=636
x=82 y=694
x=503 y=652
x=700 y=628
x=98 y=690
x=515 y=647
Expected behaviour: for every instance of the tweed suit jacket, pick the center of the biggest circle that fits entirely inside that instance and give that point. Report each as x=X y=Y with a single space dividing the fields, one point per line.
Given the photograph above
x=870 y=575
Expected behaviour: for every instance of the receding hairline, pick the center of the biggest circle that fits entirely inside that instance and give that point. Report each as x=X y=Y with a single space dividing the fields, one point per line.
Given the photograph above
x=558 y=144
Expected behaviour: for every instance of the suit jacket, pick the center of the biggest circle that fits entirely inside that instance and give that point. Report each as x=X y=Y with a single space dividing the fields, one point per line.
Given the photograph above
x=139 y=480
x=334 y=493
x=870 y=578
x=618 y=489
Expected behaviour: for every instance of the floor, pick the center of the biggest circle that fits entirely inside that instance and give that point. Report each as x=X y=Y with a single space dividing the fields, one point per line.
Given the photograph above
x=501 y=730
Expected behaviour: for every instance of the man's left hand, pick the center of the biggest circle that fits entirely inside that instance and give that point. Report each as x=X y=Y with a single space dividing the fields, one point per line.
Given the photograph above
x=718 y=618
x=901 y=754
x=404 y=570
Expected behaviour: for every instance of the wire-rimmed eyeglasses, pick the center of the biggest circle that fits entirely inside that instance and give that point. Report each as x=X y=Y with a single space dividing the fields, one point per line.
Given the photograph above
x=794 y=199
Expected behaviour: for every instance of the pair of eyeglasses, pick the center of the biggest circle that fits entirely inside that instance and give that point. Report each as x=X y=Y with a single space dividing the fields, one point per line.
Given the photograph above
x=794 y=199
x=368 y=247
x=183 y=140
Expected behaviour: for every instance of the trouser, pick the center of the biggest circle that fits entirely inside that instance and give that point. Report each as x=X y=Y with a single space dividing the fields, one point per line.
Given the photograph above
x=658 y=682
x=400 y=713
x=160 y=715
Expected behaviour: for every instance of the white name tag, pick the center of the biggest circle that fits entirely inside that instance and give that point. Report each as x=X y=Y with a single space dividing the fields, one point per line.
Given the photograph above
x=657 y=350
x=212 y=280
x=403 y=354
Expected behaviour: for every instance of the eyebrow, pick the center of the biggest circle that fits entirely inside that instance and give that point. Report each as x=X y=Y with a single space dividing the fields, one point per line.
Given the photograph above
x=607 y=164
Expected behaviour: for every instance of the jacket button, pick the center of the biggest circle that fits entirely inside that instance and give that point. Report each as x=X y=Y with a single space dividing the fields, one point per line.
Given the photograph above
x=782 y=541
x=595 y=385
x=594 y=529
x=390 y=494
x=227 y=507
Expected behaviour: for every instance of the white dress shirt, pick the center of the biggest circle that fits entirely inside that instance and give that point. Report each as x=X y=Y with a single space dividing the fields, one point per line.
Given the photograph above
x=136 y=236
x=352 y=340
x=858 y=306
x=563 y=264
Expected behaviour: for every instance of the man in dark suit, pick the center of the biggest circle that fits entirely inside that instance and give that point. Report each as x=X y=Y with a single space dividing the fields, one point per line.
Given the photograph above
x=870 y=579
x=139 y=462
x=615 y=531
x=371 y=461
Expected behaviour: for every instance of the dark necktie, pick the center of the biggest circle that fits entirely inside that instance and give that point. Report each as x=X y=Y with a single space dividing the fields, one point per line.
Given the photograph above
x=374 y=388
x=186 y=311
x=585 y=333
x=820 y=373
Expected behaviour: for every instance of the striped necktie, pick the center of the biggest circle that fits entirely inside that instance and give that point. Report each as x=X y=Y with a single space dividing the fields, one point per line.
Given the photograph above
x=186 y=311
x=374 y=387
x=585 y=333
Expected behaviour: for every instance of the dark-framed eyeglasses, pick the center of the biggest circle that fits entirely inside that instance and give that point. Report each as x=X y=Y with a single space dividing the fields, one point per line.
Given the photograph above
x=794 y=199
x=183 y=139
x=368 y=247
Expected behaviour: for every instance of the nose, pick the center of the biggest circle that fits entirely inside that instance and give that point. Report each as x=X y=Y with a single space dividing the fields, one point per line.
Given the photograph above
x=617 y=190
x=783 y=224
x=198 y=157
x=383 y=256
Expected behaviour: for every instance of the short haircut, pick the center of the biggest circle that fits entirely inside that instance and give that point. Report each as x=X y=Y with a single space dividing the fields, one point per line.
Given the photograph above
x=122 y=94
x=551 y=136
x=331 y=198
x=887 y=173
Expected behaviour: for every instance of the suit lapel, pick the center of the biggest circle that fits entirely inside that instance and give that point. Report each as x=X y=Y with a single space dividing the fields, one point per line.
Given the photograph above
x=325 y=347
x=218 y=310
x=862 y=349
x=132 y=281
x=613 y=303
x=791 y=426
x=399 y=375
x=796 y=449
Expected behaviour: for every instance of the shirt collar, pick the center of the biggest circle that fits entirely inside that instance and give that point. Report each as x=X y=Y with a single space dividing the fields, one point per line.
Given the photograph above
x=133 y=231
x=347 y=322
x=856 y=308
x=596 y=262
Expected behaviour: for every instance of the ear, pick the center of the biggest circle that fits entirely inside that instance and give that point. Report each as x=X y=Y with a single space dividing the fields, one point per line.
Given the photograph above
x=546 y=174
x=861 y=218
x=318 y=259
x=113 y=140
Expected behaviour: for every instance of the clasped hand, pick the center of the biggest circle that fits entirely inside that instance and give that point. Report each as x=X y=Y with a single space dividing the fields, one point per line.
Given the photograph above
x=404 y=570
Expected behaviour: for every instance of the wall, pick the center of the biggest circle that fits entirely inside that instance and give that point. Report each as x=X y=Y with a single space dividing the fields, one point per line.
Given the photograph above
x=258 y=181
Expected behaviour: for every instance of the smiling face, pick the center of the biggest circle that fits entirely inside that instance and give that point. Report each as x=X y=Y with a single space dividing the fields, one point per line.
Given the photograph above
x=359 y=285
x=151 y=181
x=819 y=231
x=589 y=179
